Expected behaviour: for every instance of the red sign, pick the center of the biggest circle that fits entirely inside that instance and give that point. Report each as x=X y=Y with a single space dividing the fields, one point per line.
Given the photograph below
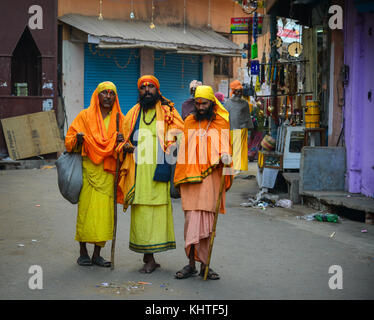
x=288 y=33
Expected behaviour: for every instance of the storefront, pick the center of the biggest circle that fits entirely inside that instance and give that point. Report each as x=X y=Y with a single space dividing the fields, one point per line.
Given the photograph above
x=122 y=51
x=28 y=59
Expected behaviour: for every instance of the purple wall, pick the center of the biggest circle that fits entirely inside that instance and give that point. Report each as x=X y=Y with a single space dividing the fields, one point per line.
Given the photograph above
x=359 y=108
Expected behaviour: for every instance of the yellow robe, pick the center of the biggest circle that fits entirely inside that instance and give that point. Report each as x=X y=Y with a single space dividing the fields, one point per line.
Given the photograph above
x=239 y=140
x=95 y=206
x=152 y=227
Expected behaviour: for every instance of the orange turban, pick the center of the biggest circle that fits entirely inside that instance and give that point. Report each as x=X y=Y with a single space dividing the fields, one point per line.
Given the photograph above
x=236 y=85
x=148 y=79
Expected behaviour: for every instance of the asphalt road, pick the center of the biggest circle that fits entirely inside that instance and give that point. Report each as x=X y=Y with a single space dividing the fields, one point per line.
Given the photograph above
x=259 y=254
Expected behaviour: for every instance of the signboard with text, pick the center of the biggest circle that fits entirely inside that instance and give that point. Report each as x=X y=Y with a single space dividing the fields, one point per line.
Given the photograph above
x=240 y=25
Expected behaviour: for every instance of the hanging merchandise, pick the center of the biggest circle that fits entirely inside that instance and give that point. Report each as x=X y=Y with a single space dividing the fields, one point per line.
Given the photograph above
x=281 y=76
x=255 y=67
x=251 y=91
x=269 y=72
x=263 y=61
x=292 y=78
x=258 y=84
x=254 y=50
x=100 y=17
x=152 y=25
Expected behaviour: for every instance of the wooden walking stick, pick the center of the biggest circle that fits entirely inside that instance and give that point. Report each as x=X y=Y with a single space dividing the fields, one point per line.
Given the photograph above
x=212 y=236
x=115 y=203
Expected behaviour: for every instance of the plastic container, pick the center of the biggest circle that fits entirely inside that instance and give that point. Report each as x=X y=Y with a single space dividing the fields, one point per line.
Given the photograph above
x=326 y=217
x=312 y=114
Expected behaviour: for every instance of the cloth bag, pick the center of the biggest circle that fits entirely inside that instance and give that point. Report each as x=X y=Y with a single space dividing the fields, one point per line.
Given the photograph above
x=69 y=172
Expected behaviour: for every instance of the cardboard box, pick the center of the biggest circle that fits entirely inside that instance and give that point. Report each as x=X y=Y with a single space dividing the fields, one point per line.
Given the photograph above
x=32 y=135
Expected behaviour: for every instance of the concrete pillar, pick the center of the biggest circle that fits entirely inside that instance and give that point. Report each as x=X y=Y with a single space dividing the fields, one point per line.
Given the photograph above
x=208 y=70
x=73 y=78
x=146 y=61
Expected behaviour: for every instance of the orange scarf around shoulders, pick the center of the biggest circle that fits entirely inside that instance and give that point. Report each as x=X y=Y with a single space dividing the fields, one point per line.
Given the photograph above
x=98 y=143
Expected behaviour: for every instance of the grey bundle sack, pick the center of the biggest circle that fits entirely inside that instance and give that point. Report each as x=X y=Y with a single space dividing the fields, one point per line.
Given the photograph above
x=69 y=171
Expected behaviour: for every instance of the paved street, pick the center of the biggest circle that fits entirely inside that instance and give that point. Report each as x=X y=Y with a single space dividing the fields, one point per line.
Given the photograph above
x=259 y=254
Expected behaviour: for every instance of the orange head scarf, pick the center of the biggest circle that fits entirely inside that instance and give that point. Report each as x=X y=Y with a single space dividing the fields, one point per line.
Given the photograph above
x=148 y=79
x=235 y=85
x=99 y=143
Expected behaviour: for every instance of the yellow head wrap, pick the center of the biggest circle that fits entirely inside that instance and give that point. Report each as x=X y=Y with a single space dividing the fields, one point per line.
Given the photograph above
x=106 y=85
x=207 y=92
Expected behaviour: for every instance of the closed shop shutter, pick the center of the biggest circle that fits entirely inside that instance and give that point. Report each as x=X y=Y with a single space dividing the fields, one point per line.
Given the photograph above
x=121 y=66
x=175 y=72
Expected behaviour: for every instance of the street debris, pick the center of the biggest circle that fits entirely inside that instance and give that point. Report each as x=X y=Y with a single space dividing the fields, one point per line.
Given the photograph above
x=21 y=245
x=261 y=201
x=245 y=176
x=307 y=217
x=284 y=203
x=165 y=286
x=321 y=217
x=129 y=287
x=37 y=205
x=47 y=167
x=332 y=234
x=364 y=231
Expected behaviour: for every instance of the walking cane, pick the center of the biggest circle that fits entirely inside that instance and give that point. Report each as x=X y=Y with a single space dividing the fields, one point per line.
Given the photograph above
x=218 y=204
x=115 y=204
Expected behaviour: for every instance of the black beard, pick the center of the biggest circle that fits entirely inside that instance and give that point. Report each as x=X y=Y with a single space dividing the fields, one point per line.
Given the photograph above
x=208 y=115
x=148 y=101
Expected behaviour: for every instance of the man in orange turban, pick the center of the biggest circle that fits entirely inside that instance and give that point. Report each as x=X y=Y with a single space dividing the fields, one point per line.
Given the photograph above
x=240 y=123
x=93 y=133
x=204 y=149
x=151 y=126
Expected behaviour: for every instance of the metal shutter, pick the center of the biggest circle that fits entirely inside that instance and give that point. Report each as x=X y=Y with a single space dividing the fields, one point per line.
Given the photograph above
x=175 y=72
x=121 y=66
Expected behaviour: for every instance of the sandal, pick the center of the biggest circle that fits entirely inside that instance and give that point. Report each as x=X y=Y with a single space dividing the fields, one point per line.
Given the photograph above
x=84 y=261
x=186 y=272
x=100 y=261
x=212 y=275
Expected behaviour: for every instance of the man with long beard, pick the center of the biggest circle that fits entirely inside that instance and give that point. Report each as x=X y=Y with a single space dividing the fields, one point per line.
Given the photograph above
x=152 y=125
x=202 y=153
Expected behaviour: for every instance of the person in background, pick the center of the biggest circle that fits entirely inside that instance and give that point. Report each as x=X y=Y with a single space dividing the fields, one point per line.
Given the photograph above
x=221 y=97
x=189 y=105
x=240 y=123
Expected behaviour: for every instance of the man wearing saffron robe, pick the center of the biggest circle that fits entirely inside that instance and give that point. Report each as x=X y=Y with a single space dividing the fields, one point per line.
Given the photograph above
x=240 y=123
x=93 y=133
x=204 y=149
x=151 y=126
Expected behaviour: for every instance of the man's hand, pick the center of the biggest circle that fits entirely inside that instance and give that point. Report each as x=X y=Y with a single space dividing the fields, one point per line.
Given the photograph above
x=127 y=148
x=120 y=137
x=226 y=159
x=80 y=136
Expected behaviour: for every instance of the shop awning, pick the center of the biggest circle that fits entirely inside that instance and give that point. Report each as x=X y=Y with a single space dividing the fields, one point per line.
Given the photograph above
x=110 y=33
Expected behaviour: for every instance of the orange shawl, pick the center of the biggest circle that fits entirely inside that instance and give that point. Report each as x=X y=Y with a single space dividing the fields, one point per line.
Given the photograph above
x=169 y=125
x=98 y=144
x=199 y=156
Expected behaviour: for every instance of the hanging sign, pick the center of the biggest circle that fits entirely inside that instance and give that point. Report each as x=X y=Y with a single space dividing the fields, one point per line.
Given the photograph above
x=240 y=25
